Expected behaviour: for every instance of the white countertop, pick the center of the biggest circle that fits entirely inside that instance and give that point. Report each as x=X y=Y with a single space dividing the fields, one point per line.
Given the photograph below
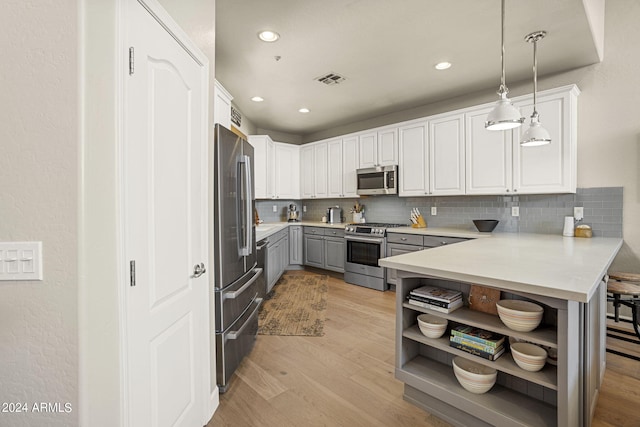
x=560 y=267
x=267 y=229
x=444 y=232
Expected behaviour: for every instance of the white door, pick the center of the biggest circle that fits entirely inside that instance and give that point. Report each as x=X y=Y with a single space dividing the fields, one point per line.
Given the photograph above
x=165 y=212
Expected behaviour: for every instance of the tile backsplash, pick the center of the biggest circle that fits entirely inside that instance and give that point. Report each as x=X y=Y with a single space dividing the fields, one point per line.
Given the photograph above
x=542 y=214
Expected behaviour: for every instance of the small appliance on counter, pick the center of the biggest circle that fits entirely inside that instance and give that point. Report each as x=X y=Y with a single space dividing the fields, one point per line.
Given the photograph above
x=294 y=214
x=334 y=214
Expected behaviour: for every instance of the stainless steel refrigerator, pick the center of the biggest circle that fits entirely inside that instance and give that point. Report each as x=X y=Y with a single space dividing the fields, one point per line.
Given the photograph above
x=237 y=279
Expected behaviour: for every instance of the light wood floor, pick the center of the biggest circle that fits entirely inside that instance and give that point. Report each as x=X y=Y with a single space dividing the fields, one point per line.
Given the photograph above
x=346 y=377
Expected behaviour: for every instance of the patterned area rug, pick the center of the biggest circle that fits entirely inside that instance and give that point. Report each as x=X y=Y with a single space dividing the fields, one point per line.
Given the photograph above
x=295 y=306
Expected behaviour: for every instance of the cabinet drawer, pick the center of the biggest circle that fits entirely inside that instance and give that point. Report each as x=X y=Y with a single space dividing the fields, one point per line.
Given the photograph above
x=334 y=232
x=435 y=241
x=406 y=239
x=282 y=234
x=318 y=231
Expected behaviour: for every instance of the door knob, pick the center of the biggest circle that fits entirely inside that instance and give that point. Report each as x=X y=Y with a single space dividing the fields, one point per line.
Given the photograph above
x=198 y=270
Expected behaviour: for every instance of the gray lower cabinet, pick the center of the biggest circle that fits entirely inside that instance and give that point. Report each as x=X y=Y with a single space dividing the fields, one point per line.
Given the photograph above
x=399 y=243
x=324 y=248
x=314 y=250
x=277 y=257
x=334 y=254
x=295 y=245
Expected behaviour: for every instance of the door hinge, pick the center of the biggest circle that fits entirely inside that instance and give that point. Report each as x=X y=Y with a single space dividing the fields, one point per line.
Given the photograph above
x=132 y=273
x=131 y=66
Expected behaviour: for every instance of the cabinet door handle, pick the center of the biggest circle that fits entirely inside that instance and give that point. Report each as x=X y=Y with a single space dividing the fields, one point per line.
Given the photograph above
x=404 y=239
x=443 y=243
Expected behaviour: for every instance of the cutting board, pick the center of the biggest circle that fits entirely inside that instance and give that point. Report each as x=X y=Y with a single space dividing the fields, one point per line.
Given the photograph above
x=484 y=299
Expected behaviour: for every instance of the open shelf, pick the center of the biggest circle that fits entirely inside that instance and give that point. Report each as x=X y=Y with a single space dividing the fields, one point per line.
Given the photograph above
x=499 y=406
x=547 y=377
x=546 y=336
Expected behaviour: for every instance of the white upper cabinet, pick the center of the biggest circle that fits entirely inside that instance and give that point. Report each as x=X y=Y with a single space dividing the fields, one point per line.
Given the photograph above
x=320 y=159
x=349 y=167
x=368 y=149
x=388 y=146
x=221 y=105
x=446 y=154
x=413 y=164
x=307 y=172
x=431 y=156
x=488 y=156
x=497 y=164
x=276 y=167
x=263 y=166
x=548 y=168
x=334 y=168
x=379 y=147
x=287 y=169
x=313 y=170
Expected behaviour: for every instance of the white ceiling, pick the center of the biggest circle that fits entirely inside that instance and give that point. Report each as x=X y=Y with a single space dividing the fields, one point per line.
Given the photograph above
x=386 y=49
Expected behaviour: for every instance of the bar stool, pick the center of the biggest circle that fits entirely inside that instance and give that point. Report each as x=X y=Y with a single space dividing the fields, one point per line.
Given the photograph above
x=624 y=289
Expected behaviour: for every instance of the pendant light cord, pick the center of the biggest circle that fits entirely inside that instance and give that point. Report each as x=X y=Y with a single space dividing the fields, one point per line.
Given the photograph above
x=535 y=75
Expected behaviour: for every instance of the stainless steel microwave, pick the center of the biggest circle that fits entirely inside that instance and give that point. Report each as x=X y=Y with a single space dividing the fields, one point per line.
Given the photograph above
x=378 y=180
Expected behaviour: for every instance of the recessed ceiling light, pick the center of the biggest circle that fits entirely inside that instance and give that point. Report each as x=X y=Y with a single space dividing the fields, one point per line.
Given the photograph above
x=257 y=99
x=304 y=110
x=443 y=65
x=268 y=36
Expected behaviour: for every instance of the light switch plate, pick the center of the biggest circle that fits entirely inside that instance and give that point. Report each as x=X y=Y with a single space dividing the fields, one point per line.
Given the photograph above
x=434 y=210
x=515 y=210
x=275 y=208
x=578 y=213
x=21 y=261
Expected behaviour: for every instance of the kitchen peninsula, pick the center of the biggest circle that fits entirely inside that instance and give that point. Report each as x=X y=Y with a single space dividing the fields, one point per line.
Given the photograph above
x=564 y=275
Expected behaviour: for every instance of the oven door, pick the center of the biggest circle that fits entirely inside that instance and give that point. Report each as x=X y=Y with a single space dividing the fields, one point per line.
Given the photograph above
x=362 y=255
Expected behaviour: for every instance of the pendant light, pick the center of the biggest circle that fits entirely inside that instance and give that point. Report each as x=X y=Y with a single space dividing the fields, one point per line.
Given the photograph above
x=504 y=115
x=536 y=134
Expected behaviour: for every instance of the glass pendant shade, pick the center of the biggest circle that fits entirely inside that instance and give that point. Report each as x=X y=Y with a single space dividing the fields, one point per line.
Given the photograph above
x=504 y=115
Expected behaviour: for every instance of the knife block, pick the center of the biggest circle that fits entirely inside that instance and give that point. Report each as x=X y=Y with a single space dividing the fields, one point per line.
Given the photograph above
x=421 y=223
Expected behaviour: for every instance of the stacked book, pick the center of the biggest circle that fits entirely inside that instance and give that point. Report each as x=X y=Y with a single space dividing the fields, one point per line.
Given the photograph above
x=477 y=341
x=438 y=299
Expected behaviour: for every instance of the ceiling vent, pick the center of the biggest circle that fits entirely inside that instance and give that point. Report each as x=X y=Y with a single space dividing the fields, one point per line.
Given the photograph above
x=330 y=79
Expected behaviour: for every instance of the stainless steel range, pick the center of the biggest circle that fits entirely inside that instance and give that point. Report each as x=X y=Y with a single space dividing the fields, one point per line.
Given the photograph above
x=366 y=244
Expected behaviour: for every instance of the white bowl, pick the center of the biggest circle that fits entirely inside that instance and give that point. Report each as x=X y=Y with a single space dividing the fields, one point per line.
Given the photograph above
x=552 y=353
x=473 y=376
x=521 y=316
x=528 y=356
x=432 y=326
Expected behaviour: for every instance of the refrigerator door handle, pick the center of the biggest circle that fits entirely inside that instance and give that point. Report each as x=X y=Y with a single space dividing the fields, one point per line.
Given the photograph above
x=248 y=214
x=236 y=294
x=249 y=201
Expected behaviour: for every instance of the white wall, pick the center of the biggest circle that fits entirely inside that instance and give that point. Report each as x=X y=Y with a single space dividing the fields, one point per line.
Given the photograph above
x=38 y=201
x=608 y=118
